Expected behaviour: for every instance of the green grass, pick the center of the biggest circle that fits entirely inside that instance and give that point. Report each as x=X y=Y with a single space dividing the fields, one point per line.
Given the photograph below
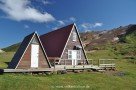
x=92 y=80
x=12 y=48
x=95 y=81
x=5 y=58
x=101 y=54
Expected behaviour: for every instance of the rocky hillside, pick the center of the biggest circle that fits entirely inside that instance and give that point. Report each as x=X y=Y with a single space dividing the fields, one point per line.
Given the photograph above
x=99 y=39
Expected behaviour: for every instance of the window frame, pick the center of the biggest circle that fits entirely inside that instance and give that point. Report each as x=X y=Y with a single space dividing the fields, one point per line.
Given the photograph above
x=78 y=55
x=70 y=54
x=74 y=36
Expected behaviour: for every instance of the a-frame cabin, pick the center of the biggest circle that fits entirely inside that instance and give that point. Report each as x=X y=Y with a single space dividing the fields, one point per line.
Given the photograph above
x=64 y=46
x=30 y=54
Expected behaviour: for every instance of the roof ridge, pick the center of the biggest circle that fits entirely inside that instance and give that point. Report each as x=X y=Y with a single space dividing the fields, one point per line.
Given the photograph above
x=59 y=29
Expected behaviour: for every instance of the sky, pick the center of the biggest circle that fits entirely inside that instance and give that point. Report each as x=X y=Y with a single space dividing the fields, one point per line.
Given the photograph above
x=19 y=18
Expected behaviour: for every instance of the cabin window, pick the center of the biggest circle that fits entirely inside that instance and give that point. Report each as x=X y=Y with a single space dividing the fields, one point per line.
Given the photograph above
x=74 y=36
x=34 y=41
x=78 y=54
x=69 y=54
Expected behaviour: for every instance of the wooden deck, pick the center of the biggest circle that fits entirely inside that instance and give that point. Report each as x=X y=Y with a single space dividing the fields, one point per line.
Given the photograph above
x=30 y=70
x=102 y=65
x=68 y=67
x=56 y=68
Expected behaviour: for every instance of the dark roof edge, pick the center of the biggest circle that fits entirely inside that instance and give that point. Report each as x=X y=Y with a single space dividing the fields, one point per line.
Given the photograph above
x=58 y=29
x=81 y=43
x=43 y=50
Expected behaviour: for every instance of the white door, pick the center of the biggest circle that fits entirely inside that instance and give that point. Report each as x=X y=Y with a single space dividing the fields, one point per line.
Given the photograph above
x=34 y=55
x=74 y=57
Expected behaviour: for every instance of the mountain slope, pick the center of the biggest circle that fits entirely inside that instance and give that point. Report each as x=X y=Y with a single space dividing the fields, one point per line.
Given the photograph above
x=129 y=42
x=100 y=40
x=12 y=48
x=130 y=36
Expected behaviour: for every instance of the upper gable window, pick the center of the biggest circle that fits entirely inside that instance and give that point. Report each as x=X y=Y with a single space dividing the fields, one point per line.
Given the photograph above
x=34 y=41
x=74 y=36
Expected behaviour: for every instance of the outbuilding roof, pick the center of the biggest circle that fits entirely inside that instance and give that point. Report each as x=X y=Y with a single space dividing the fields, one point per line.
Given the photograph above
x=19 y=54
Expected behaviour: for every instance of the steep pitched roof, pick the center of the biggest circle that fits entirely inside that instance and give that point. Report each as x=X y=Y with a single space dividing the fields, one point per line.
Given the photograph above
x=54 y=42
x=18 y=55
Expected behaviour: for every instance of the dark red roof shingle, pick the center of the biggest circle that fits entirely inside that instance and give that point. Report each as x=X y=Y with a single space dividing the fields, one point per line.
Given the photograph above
x=54 y=42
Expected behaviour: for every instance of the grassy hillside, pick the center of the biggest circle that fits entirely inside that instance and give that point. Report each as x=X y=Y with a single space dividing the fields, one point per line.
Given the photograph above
x=5 y=58
x=127 y=46
x=130 y=36
x=75 y=81
x=12 y=48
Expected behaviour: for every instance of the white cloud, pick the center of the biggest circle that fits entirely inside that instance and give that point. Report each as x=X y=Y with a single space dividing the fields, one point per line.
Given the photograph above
x=88 y=26
x=98 y=24
x=46 y=2
x=20 y=10
x=26 y=26
x=72 y=19
x=58 y=24
x=61 y=22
